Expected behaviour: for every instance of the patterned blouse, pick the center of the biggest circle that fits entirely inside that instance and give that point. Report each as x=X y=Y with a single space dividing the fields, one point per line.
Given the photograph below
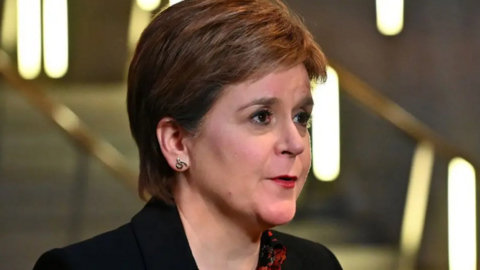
x=272 y=253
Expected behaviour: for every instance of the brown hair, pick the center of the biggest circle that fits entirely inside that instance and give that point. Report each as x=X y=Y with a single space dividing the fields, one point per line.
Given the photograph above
x=190 y=52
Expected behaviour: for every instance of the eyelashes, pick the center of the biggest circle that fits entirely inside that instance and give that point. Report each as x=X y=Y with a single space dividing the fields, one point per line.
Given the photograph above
x=304 y=119
x=264 y=117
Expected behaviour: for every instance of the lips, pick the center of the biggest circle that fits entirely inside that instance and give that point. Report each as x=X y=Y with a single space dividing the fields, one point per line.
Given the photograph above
x=285 y=181
x=285 y=178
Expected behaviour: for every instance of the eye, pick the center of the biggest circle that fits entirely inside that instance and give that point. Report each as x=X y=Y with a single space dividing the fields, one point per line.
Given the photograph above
x=262 y=117
x=303 y=119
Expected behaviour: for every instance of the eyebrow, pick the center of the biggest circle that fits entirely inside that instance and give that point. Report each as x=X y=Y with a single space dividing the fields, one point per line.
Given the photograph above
x=270 y=101
x=264 y=101
x=306 y=101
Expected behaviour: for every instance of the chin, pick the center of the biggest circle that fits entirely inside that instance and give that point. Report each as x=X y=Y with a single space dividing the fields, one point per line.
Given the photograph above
x=278 y=213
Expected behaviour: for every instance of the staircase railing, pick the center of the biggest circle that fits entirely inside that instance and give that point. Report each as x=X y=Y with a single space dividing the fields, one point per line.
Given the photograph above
x=68 y=122
x=429 y=142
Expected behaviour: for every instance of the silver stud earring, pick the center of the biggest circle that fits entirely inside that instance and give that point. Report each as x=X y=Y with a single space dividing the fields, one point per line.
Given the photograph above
x=180 y=164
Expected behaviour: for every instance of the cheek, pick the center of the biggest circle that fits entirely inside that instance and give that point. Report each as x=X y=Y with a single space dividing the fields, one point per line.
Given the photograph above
x=305 y=160
x=306 y=157
x=229 y=146
x=307 y=154
x=243 y=152
x=239 y=155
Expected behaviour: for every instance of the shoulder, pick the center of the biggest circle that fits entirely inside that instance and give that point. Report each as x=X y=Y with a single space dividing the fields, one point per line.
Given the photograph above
x=114 y=249
x=310 y=253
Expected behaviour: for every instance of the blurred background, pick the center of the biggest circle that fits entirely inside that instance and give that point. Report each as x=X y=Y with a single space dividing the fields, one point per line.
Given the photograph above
x=395 y=135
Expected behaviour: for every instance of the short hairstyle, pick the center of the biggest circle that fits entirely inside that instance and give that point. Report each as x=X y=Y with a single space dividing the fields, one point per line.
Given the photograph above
x=190 y=52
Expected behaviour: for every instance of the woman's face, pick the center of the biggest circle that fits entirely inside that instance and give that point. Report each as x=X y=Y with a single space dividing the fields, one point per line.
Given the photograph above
x=252 y=155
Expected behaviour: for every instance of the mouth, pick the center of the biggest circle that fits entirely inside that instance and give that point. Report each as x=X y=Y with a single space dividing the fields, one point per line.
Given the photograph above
x=285 y=181
x=285 y=178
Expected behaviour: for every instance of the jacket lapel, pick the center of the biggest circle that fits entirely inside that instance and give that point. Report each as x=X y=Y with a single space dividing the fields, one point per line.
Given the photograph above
x=162 y=239
x=163 y=242
x=292 y=262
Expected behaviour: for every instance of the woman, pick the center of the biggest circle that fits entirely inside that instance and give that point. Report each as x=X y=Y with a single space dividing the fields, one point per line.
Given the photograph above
x=219 y=103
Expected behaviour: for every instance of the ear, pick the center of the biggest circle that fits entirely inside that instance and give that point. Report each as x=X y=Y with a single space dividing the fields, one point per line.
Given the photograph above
x=171 y=137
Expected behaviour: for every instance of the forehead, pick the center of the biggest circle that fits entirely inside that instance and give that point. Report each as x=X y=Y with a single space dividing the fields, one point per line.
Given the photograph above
x=289 y=84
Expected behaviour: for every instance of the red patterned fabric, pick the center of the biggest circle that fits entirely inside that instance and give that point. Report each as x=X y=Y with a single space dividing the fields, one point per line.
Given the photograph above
x=272 y=253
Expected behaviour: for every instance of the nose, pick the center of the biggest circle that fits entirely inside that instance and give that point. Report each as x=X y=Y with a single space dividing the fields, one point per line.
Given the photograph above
x=292 y=141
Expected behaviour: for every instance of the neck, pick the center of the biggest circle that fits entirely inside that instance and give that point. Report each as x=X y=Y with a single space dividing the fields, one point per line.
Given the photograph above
x=209 y=231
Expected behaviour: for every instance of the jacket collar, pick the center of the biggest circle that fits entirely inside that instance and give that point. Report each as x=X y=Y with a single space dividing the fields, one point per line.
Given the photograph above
x=161 y=237
x=163 y=242
x=293 y=261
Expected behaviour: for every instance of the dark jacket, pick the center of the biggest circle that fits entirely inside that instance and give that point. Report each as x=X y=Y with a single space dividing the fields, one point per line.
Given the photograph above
x=155 y=240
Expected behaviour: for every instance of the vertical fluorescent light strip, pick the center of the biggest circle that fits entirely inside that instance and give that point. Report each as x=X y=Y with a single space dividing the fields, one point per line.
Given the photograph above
x=462 y=245
x=9 y=18
x=326 y=128
x=139 y=19
x=148 y=5
x=390 y=16
x=29 y=40
x=55 y=37
x=416 y=204
x=173 y=2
